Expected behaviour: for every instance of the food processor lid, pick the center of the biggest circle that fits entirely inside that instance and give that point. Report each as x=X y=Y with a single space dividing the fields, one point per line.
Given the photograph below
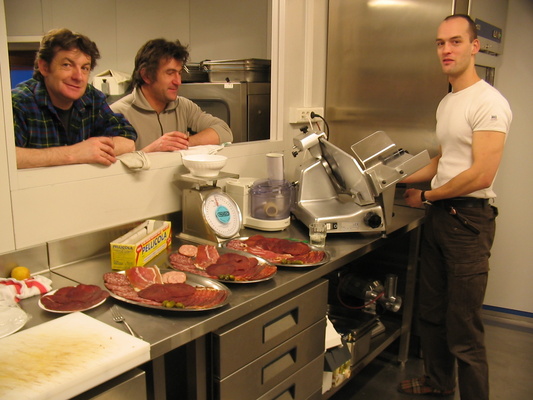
x=265 y=186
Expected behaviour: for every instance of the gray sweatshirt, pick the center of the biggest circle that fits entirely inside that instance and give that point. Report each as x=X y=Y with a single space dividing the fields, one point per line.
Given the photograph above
x=180 y=115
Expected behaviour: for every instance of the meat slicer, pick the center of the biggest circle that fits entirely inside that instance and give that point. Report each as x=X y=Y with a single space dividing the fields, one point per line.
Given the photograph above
x=351 y=193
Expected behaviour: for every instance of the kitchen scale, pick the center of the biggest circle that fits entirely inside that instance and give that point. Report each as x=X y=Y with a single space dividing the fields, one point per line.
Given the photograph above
x=209 y=215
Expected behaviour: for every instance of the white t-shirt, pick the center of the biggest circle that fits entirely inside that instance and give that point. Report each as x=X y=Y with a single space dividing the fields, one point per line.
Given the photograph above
x=479 y=107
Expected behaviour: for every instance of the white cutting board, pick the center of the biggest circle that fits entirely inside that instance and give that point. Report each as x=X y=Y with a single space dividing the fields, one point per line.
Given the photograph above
x=65 y=357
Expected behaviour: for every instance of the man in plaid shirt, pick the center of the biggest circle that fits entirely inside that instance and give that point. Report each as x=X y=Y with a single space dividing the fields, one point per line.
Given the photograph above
x=58 y=117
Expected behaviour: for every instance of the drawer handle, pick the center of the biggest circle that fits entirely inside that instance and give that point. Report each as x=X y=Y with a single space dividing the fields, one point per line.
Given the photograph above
x=280 y=325
x=287 y=394
x=279 y=365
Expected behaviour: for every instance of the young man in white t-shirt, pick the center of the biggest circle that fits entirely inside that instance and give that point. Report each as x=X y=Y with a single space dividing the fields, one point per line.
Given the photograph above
x=472 y=125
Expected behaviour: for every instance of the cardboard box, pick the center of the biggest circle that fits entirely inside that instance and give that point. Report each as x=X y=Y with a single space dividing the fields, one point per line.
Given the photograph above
x=140 y=245
x=112 y=82
x=359 y=346
x=337 y=361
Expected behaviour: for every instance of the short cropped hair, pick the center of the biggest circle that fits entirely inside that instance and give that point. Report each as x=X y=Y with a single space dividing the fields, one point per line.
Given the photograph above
x=472 y=28
x=63 y=39
x=151 y=53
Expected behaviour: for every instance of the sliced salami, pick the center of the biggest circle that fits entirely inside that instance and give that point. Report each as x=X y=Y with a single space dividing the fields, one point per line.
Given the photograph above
x=205 y=297
x=116 y=279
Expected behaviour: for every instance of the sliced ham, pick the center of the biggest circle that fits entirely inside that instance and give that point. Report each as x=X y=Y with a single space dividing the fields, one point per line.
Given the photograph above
x=142 y=277
x=207 y=255
x=257 y=251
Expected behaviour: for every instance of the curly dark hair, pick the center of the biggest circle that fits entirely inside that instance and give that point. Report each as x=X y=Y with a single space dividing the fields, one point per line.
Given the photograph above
x=63 y=39
x=151 y=53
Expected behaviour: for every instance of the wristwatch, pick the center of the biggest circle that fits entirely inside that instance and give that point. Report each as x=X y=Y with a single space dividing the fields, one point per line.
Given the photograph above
x=423 y=197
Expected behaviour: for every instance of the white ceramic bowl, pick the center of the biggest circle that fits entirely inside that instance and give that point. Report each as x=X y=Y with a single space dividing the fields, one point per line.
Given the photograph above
x=204 y=165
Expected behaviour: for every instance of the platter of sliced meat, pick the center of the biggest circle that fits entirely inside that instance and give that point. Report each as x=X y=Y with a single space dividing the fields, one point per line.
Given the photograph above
x=222 y=264
x=280 y=252
x=173 y=290
x=73 y=298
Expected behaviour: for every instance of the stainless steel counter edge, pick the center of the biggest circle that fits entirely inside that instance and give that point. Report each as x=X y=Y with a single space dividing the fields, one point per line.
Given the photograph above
x=168 y=330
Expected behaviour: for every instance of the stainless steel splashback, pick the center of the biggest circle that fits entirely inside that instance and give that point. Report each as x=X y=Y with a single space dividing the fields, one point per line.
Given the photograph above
x=383 y=72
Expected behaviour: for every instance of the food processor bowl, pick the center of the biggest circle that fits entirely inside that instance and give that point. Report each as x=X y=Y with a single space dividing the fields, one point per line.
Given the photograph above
x=270 y=199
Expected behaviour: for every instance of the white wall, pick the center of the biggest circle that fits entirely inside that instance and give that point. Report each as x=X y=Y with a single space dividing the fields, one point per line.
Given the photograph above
x=6 y=234
x=512 y=257
x=213 y=29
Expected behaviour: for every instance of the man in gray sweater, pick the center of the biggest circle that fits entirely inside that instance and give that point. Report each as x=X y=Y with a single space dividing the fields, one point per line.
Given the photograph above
x=163 y=120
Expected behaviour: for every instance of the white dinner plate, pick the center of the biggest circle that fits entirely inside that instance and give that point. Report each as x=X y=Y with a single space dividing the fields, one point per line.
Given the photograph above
x=67 y=312
x=12 y=318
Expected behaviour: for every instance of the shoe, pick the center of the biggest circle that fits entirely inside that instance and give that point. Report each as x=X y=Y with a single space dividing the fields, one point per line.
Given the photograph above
x=420 y=386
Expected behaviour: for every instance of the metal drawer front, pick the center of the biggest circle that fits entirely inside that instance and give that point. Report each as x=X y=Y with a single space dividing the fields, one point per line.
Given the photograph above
x=300 y=386
x=129 y=386
x=239 y=343
x=274 y=367
x=315 y=396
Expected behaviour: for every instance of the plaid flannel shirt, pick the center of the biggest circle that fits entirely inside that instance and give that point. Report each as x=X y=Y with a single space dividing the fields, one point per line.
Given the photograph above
x=37 y=124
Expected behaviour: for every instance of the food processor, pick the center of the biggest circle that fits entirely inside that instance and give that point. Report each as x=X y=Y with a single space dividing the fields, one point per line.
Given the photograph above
x=265 y=203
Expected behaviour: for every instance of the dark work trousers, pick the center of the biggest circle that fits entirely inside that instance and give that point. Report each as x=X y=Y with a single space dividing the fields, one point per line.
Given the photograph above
x=453 y=278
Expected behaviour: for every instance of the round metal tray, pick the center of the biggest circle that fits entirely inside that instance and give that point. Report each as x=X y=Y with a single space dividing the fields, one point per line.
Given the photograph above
x=324 y=260
x=222 y=250
x=193 y=280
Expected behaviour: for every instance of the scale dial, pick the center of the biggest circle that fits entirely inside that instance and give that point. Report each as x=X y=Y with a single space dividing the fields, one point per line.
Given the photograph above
x=222 y=214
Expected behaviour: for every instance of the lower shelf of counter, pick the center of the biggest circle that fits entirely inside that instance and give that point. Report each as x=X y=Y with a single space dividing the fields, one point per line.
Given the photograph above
x=377 y=345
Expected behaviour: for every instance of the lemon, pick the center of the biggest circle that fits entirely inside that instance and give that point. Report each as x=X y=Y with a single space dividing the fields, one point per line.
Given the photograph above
x=20 y=273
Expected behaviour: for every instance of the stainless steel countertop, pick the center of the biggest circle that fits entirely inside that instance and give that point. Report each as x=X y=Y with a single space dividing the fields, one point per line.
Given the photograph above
x=168 y=330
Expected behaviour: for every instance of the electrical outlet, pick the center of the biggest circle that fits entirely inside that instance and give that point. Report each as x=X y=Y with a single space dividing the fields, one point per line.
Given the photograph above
x=302 y=114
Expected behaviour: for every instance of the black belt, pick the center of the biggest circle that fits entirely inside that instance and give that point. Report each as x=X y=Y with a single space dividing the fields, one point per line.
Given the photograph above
x=468 y=202
x=451 y=205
